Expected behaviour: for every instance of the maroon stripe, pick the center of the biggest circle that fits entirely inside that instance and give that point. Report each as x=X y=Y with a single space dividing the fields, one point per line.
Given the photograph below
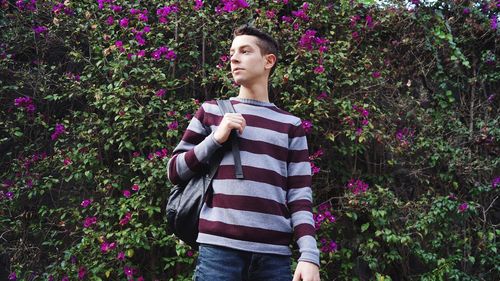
x=298 y=155
x=251 y=204
x=193 y=137
x=254 y=174
x=199 y=113
x=296 y=131
x=303 y=229
x=212 y=119
x=244 y=233
x=299 y=181
x=172 y=171
x=300 y=205
x=260 y=147
x=192 y=162
x=260 y=122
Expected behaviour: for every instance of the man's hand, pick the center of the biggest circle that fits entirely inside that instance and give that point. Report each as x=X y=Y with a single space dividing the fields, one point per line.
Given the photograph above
x=306 y=271
x=230 y=121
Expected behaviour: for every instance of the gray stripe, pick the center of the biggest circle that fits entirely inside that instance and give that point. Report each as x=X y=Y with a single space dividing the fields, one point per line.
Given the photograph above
x=243 y=245
x=265 y=135
x=250 y=188
x=308 y=249
x=302 y=217
x=196 y=126
x=182 y=168
x=303 y=193
x=266 y=113
x=246 y=218
x=298 y=143
x=299 y=169
x=261 y=161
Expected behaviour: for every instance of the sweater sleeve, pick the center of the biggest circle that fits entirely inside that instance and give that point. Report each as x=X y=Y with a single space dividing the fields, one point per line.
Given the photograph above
x=194 y=150
x=299 y=195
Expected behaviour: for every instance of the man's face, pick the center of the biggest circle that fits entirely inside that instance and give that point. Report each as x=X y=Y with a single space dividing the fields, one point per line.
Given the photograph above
x=248 y=64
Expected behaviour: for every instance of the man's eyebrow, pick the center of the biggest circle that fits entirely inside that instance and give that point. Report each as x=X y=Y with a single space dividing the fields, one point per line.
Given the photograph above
x=241 y=47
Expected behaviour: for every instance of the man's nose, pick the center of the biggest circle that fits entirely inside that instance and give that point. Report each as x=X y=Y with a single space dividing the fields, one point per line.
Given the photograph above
x=234 y=58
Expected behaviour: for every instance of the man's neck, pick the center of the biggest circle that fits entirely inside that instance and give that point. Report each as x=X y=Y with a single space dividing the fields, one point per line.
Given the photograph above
x=256 y=92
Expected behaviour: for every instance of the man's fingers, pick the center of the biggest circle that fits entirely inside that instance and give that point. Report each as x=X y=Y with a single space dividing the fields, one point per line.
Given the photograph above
x=296 y=276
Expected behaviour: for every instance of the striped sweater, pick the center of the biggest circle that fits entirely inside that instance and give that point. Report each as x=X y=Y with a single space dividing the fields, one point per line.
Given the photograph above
x=261 y=212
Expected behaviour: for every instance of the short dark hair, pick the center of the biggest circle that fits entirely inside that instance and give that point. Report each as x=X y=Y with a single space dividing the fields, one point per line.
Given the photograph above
x=265 y=42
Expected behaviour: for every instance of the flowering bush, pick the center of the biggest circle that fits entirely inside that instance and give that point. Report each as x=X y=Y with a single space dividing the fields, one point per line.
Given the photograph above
x=398 y=101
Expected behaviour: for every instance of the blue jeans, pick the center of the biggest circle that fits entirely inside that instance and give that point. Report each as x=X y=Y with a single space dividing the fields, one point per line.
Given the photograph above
x=225 y=264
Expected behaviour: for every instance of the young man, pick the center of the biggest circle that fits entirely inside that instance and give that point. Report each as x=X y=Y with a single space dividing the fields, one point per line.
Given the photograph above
x=247 y=225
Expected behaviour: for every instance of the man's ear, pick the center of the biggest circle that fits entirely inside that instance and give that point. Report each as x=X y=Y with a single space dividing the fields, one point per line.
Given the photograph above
x=270 y=61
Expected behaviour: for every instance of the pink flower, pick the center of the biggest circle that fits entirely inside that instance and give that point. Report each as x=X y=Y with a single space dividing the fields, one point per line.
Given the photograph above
x=59 y=129
x=376 y=74
x=126 y=193
x=135 y=187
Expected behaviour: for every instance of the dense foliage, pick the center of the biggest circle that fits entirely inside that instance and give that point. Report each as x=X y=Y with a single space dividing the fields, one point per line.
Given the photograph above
x=400 y=101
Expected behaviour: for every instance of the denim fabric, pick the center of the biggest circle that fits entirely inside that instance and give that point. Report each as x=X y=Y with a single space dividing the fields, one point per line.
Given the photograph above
x=225 y=264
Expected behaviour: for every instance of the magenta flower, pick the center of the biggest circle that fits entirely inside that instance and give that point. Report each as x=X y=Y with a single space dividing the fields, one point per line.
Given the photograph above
x=135 y=187
x=164 y=12
x=229 y=6
x=120 y=256
x=106 y=247
x=307 y=125
x=116 y=8
x=110 y=20
x=12 y=276
x=126 y=219
x=328 y=246
x=88 y=222
x=314 y=169
x=59 y=129
x=9 y=195
x=160 y=93
x=319 y=69
x=466 y=11
x=128 y=271
x=357 y=186
x=198 y=4
x=40 y=29
x=463 y=207
x=140 y=278
x=26 y=103
x=81 y=272
x=322 y=96
x=494 y=22
x=141 y=53
x=173 y=126
x=85 y=203
x=376 y=74
x=124 y=22
x=126 y=193
x=495 y=182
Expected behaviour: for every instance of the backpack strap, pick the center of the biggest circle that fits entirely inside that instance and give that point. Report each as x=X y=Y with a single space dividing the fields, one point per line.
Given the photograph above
x=227 y=107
